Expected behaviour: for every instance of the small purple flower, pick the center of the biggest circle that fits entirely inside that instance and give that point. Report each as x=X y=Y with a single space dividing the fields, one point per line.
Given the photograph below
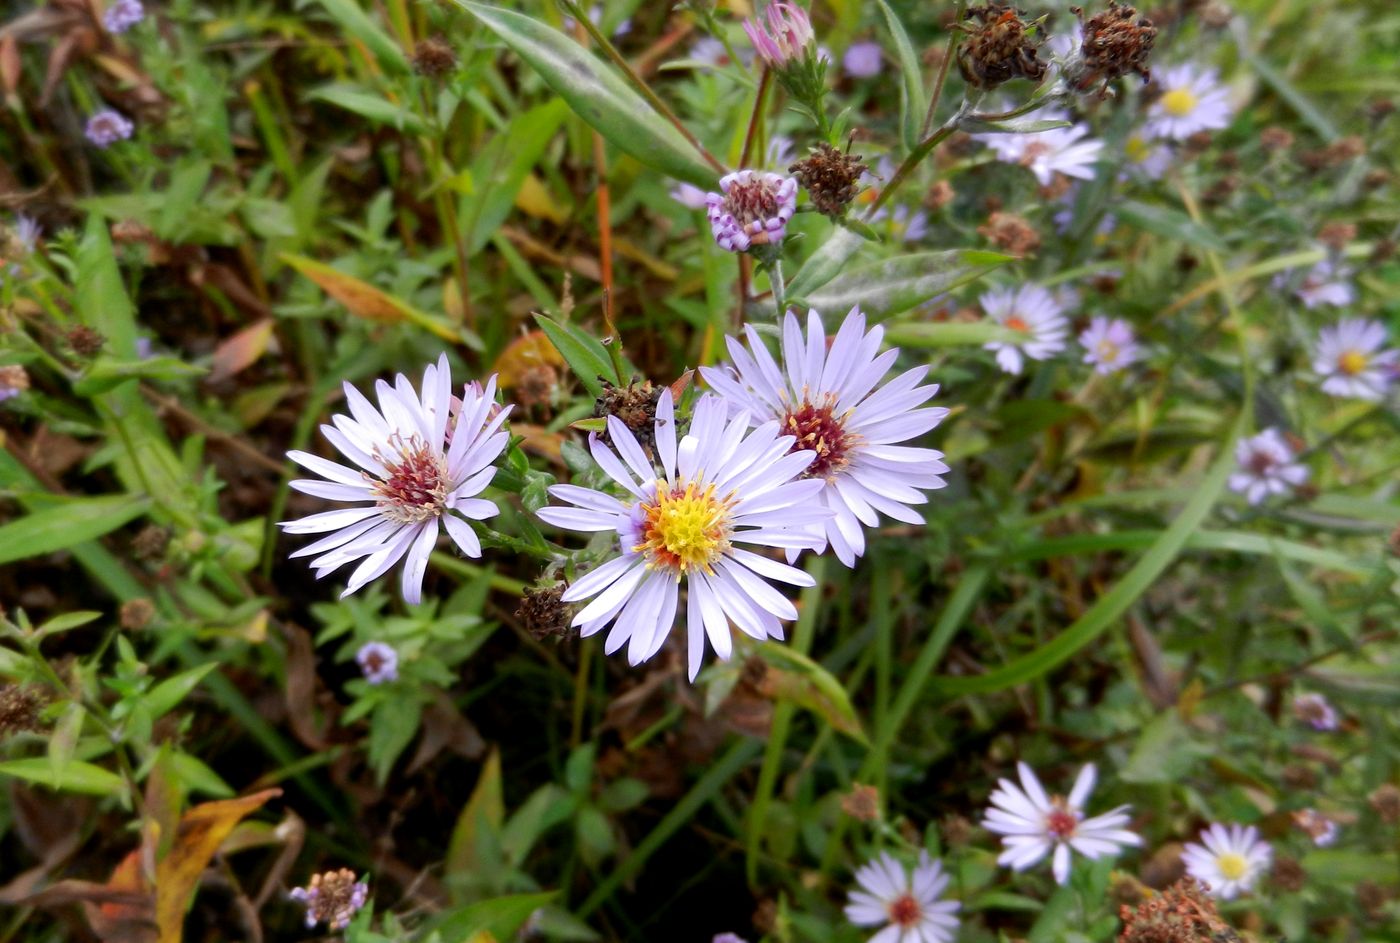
x=107 y=127
x=1316 y=711
x=778 y=153
x=379 y=662
x=28 y=232
x=1109 y=344
x=122 y=15
x=332 y=898
x=904 y=224
x=14 y=380
x=1266 y=466
x=1322 y=830
x=786 y=37
x=1351 y=362
x=1325 y=284
x=752 y=209
x=862 y=60
x=728 y=938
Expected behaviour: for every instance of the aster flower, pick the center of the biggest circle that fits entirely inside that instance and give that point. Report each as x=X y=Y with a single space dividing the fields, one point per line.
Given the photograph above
x=1032 y=312
x=107 y=127
x=1350 y=361
x=332 y=898
x=1266 y=467
x=419 y=468
x=786 y=36
x=122 y=15
x=1322 y=830
x=752 y=209
x=1033 y=824
x=910 y=905
x=1324 y=284
x=14 y=380
x=1192 y=100
x=863 y=60
x=721 y=486
x=831 y=401
x=904 y=224
x=1066 y=151
x=1109 y=344
x=1229 y=859
x=378 y=662
x=1316 y=711
x=1144 y=157
x=28 y=232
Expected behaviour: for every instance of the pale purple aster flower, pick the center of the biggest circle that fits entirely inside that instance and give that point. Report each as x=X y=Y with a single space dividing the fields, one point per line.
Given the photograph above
x=909 y=905
x=1324 y=284
x=122 y=15
x=332 y=898
x=728 y=938
x=1321 y=829
x=904 y=224
x=107 y=127
x=1192 y=100
x=1316 y=711
x=1229 y=859
x=778 y=153
x=1034 y=824
x=1266 y=467
x=1351 y=362
x=414 y=479
x=721 y=486
x=1033 y=313
x=786 y=36
x=752 y=209
x=1145 y=158
x=1109 y=344
x=28 y=232
x=378 y=662
x=863 y=60
x=1045 y=153
x=831 y=400
x=689 y=196
x=1064 y=216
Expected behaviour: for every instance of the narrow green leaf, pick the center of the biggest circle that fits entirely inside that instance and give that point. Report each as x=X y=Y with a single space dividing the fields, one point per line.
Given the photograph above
x=64 y=740
x=1229 y=541
x=66 y=525
x=597 y=94
x=502 y=166
x=947 y=333
x=913 y=102
x=1106 y=611
x=497 y=919
x=371 y=106
x=584 y=354
x=974 y=125
x=1168 y=223
x=78 y=776
x=890 y=286
x=102 y=300
x=826 y=262
x=1296 y=100
x=104 y=373
x=170 y=692
x=355 y=21
x=196 y=776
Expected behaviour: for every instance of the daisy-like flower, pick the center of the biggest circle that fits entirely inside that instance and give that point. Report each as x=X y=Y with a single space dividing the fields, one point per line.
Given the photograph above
x=752 y=209
x=1033 y=824
x=863 y=60
x=27 y=233
x=332 y=898
x=1266 y=467
x=1066 y=151
x=378 y=662
x=1316 y=711
x=1322 y=830
x=1145 y=157
x=1192 y=100
x=721 y=486
x=909 y=905
x=1351 y=362
x=786 y=36
x=107 y=127
x=903 y=224
x=1229 y=859
x=122 y=15
x=419 y=468
x=1109 y=344
x=1033 y=313
x=831 y=401
x=1324 y=284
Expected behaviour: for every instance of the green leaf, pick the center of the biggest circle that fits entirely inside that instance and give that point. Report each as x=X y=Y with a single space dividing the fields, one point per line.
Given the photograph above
x=64 y=740
x=597 y=95
x=501 y=917
x=912 y=100
x=947 y=333
x=164 y=696
x=77 y=776
x=1167 y=223
x=584 y=354
x=890 y=286
x=196 y=776
x=975 y=125
x=66 y=525
x=104 y=373
x=623 y=794
x=371 y=106
x=356 y=22
x=102 y=300
x=1164 y=752
x=502 y=166
x=392 y=728
x=826 y=263
x=64 y=622
x=797 y=678
x=1106 y=611
x=484 y=811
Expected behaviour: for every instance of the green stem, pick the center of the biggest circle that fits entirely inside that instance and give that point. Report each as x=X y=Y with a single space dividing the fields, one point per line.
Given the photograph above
x=948 y=55
x=775 y=278
x=916 y=156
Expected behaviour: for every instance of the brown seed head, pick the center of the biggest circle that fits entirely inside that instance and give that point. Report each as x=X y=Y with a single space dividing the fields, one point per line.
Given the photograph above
x=20 y=706
x=998 y=48
x=1010 y=233
x=85 y=341
x=939 y=195
x=434 y=57
x=150 y=542
x=956 y=831
x=1288 y=874
x=830 y=177
x=136 y=614
x=1336 y=235
x=633 y=404
x=1385 y=800
x=1183 y=913
x=543 y=613
x=1372 y=898
x=862 y=803
x=1116 y=41
x=1274 y=138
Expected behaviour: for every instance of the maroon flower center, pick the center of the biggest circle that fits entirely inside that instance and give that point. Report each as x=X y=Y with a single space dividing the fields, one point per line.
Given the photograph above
x=1261 y=463
x=905 y=911
x=1061 y=822
x=373 y=661
x=818 y=430
x=751 y=200
x=415 y=488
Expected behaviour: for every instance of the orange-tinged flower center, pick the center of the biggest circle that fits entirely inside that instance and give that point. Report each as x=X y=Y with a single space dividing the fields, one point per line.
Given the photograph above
x=1018 y=323
x=417 y=484
x=905 y=911
x=819 y=430
x=684 y=528
x=1180 y=102
x=1352 y=362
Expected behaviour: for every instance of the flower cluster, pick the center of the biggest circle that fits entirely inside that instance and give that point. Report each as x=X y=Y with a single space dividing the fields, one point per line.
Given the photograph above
x=332 y=898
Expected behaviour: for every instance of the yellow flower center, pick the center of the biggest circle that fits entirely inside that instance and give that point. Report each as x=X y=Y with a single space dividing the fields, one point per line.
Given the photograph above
x=1108 y=351
x=1136 y=149
x=685 y=528
x=1232 y=866
x=1352 y=362
x=1179 y=102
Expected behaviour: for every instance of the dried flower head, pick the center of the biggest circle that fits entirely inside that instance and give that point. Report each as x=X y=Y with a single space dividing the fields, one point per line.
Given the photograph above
x=1180 y=914
x=1010 y=233
x=998 y=48
x=862 y=803
x=1335 y=235
x=332 y=898
x=1321 y=829
x=633 y=404
x=20 y=707
x=1336 y=154
x=543 y=612
x=150 y=542
x=13 y=381
x=1372 y=898
x=434 y=57
x=1385 y=802
x=85 y=341
x=136 y=614
x=830 y=177
x=1288 y=875
x=1116 y=41
x=1274 y=138
x=956 y=830
x=939 y=195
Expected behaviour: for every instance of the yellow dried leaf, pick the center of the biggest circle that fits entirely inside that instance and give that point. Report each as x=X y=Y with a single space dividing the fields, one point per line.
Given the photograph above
x=524 y=354
x=363 y=299
x=535 y=200
x=241 y=350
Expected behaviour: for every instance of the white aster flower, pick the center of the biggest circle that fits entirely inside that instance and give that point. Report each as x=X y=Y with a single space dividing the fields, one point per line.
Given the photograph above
x=1325 y=284
x=1033 y=824
x=1266 y=467
x=1350 y=361
x=1145 y=157
x=909 y=904
x=1192 y=100
x=378 y=662
x=831 y=401
x=1032 y=312
x=1068 y=151
x=1109 y=344
x=1228 y=860
x=413 y=478
x=721 y=486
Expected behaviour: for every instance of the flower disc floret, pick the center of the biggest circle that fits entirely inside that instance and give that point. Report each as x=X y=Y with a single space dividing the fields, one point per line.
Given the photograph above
x=752 y=209
x=684 y=528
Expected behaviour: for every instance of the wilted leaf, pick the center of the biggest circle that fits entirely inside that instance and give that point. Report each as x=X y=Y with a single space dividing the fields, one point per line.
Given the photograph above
x=792 y=676
x=363 y=299
x=241 y=350
x=523 y=355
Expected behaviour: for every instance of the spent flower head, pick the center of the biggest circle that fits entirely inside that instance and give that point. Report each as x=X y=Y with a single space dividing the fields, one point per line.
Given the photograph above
x=998 y=47
x=1034 y=824
x=1036 y=317
x=107 y=127
x=332 y=898
x=1321 y=829
x=1316 y=711
x=831 y=178
x=1350 y=360
x=752 y=209
x=1113 y=43
x=909 y=905
x=1229 y=859
x=1266 y=466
